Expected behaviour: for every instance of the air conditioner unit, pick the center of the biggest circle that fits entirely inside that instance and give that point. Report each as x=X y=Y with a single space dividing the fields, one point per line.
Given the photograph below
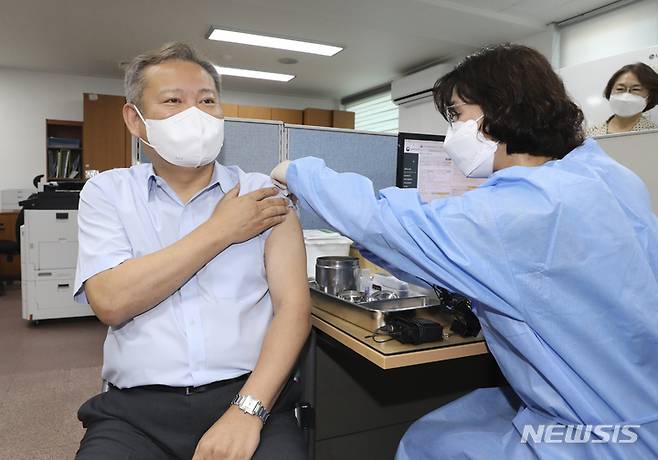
x=418 y=86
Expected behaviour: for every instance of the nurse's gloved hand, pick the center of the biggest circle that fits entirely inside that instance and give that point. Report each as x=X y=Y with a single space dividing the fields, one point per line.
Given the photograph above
x=279 y=172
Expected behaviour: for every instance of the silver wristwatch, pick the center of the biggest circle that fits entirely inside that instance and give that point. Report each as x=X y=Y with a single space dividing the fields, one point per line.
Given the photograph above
x=251 y=406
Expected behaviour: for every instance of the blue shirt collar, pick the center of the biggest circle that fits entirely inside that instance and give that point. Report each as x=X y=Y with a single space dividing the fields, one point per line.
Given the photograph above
x=220 y=177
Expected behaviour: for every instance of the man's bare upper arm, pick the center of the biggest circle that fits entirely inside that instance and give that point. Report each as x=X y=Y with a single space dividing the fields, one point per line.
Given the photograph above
x=285 y=261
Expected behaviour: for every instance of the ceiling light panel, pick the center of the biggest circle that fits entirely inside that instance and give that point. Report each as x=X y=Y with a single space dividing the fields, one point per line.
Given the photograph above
x=245 y=38
x=232 y=72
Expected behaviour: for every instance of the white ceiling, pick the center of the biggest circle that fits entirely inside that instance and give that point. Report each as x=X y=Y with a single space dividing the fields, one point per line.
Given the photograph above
x=383 y=38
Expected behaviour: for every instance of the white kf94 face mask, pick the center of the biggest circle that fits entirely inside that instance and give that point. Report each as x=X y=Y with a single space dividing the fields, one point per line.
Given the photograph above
x=191 y=138
x=627 y=104
x=469 y=149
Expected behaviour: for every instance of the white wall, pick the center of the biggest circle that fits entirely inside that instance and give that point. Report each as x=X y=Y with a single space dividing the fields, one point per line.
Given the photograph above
x=28 y=98
x=637 y=152
x=628 y=28
x=278 y=101
x=546 y=42
x=422 y=117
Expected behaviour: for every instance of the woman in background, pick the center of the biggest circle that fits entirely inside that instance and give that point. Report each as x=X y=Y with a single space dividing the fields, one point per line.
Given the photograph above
x=632 y=90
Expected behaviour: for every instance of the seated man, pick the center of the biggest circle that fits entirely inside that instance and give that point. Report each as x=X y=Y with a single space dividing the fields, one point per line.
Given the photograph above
x=199 y=272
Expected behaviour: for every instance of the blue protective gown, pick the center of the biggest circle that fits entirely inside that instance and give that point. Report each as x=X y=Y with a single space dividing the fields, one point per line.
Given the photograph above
x=561 y=261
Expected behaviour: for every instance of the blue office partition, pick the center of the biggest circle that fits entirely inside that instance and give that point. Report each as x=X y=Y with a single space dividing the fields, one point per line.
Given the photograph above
x=370 y=154
x=254 y=146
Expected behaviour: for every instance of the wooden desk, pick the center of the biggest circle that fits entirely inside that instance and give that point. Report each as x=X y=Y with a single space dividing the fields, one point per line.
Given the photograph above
x=393 y=354
x=8 y=225
x=10 y=266
x=366 y=394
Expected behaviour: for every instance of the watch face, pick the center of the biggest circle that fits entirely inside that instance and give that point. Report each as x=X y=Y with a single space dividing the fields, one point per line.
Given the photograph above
x=249 y=404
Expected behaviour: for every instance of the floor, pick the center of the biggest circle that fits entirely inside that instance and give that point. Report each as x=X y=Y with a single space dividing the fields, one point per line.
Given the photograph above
x=46 y=373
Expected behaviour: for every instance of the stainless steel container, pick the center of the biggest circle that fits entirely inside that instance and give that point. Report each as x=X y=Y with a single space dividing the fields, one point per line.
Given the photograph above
x=352 y=296
x=384 y=294
x=334 y=274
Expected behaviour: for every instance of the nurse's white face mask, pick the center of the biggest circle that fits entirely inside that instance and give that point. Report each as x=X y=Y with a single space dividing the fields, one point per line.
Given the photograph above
x=627 y=104
x=469 y=149
x=191 y=138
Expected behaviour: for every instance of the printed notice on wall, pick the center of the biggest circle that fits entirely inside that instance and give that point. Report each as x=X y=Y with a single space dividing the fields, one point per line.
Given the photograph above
x=435 y=176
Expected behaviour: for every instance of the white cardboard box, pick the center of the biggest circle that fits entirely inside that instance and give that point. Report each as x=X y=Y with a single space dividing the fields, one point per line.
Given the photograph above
x=323 y=243
x=12 y=196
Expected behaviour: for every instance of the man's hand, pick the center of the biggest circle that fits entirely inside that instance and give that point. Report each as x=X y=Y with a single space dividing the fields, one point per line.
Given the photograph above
x=235 y=436
x=243 y=217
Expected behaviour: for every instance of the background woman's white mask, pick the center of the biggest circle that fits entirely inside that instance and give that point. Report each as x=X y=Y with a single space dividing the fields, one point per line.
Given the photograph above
x=627 y=104
x=469 y=149
x=191 y=138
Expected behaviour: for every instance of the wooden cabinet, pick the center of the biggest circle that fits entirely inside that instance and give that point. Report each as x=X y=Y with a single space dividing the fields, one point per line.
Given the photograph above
x=8 y=225
x=230 y=110
x=63 y=150
x=343 y=119
x=309 y=116
x=10 y=266
x=329 y=118
x=254 y=112
x=318 y=117
x=290 y=116
x=106 y=140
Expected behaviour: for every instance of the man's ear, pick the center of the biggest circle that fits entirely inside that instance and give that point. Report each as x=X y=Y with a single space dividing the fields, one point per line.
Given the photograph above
x=133 y=122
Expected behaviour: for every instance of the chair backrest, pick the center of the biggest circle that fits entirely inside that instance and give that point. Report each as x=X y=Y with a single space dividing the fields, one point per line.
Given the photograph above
x=10 y=247
x=20 y=220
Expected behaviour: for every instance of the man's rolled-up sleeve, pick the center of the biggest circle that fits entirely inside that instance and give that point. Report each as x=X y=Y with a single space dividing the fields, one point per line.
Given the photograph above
x=103 y=243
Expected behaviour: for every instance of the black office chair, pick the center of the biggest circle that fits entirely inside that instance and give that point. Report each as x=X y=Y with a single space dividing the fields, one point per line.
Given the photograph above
x=11 y=249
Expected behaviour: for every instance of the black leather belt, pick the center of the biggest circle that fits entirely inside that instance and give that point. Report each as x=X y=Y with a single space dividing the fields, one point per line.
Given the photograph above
x=186 y=390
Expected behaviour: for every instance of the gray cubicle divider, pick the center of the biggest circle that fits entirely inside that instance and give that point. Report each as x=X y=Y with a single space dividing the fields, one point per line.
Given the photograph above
x=637 y=151
x=373 y=155
x=253 y=145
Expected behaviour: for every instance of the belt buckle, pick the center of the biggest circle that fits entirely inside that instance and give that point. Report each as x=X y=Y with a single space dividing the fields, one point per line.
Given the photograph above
x=194 y=390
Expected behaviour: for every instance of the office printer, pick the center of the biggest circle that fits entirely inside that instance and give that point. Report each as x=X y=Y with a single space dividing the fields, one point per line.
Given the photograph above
x=49 y=252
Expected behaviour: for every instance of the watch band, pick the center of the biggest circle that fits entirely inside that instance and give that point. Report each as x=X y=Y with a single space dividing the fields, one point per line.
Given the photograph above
x=250 y=405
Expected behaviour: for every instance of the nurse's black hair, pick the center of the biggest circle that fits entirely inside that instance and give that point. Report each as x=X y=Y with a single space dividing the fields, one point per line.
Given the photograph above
x=523 y=100
x=645 y=75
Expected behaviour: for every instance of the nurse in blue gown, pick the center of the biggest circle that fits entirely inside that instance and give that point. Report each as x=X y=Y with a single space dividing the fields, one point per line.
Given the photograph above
x=558 y=251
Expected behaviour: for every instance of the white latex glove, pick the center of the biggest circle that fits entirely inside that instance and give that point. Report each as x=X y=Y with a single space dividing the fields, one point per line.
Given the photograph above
x=279 y=172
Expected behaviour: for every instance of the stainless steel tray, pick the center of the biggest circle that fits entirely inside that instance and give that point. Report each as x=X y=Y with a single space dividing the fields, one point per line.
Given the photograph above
x=403 y=304
x=369 y=315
